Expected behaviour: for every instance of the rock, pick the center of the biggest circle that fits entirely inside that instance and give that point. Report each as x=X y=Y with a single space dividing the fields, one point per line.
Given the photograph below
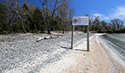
x=53 y=36
x=87 y=68
x=47 y=37
x=39 y=39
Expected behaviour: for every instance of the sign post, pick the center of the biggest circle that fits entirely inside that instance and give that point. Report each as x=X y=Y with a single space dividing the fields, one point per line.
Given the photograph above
x=88 y=38
x=72 y=37
x=80 y=20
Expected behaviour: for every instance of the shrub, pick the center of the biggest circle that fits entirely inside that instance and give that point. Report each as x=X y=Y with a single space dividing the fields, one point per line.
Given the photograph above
x=35 y=31
x=120 y=30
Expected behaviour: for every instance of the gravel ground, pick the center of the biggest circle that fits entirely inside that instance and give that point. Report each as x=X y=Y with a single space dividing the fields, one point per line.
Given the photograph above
x=22 y=54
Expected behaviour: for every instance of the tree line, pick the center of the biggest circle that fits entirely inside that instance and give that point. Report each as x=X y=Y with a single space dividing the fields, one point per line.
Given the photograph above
x=53 y=15
x=16 y=17
x=95 y=25
x=114 y=26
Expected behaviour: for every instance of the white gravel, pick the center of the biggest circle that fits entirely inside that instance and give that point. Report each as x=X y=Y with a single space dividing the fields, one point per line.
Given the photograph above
x=23 y=54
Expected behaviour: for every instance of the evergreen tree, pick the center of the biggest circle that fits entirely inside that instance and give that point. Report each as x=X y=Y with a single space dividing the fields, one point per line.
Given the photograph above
x=3 y=18
x=37 y=21
x=103 y=26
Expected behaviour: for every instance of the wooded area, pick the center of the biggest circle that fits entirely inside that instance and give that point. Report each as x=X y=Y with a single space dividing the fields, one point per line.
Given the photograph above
x=53 y=15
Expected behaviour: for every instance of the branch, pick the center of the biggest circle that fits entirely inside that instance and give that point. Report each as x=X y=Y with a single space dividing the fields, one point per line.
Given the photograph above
x=18 y=14
x=55 y=6
x=43 y=3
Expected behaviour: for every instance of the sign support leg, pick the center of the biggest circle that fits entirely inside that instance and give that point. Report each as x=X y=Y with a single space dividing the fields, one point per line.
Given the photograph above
x=72 y=37
x=88 y=38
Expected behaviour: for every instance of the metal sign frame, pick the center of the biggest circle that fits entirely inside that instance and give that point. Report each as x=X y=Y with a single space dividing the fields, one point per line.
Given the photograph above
x=80 y=20
x=82 y=25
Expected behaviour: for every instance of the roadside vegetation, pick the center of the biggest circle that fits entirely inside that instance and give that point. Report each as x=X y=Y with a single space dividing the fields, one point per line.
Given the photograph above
x=53 y=15
x=23 y=17
x=114 y=26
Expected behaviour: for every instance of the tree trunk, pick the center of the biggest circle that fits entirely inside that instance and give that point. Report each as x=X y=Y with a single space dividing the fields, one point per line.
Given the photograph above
x=21 y=21
x=11 y=28
x=11 y=25
x=23 y=27
x=28 y=28
x=62 y=27
x=48 y=27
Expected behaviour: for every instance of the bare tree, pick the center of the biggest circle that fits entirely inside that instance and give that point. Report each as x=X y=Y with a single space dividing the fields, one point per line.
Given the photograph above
x=15 y=11
x=62 y=13
x=96 y=23
x=53 y=5
x=116 y=23
x=71 y=14
x=32 y=7
x=65 y=13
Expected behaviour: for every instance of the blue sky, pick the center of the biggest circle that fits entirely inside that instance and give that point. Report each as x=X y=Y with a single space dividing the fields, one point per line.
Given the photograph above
x=105 y=9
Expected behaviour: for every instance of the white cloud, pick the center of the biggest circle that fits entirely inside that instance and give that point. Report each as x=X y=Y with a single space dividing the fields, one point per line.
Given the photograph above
x=117 y=13
x=106 y=18
x=97 y=14
x=101 y=16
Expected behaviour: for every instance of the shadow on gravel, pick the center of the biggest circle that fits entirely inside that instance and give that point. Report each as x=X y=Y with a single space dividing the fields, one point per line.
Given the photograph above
x=66 y=48
x=73 y=49
x=81 y=50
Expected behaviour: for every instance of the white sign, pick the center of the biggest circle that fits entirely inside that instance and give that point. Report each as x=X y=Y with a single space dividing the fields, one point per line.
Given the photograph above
x=80 y=20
